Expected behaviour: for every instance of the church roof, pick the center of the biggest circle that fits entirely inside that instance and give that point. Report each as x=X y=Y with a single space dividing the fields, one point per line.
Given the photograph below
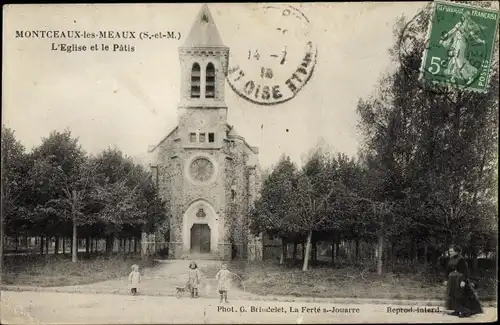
x=154 y=147
x=232 y=133
x=204 y=33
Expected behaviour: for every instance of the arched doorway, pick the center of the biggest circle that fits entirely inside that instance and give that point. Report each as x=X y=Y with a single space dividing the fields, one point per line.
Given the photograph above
x=200 y=238
x=201 y=227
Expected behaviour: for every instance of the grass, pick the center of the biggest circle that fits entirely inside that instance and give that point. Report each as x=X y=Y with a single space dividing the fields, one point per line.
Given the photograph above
x=266 y=278
x=344 y=281
x=53 y=271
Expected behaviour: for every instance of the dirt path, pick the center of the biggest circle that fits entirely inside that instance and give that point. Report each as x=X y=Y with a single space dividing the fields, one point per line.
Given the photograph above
x=63 y=308
x=162 y=280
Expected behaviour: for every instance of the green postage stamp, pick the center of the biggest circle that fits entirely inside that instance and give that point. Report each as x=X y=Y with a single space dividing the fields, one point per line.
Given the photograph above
x=461 y=42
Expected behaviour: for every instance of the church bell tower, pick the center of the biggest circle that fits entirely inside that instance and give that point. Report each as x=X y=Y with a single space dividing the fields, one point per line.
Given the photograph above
x=204 y=62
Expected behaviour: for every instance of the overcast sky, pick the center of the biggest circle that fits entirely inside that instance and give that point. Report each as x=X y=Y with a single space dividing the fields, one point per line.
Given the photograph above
x=129 y=99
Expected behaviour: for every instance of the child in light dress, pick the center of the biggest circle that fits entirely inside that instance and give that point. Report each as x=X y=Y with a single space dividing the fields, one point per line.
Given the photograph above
x=134 y=278
x=223 y=277
x=194 y=279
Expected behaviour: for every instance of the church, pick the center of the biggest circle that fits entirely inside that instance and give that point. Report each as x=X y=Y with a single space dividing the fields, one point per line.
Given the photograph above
x=205 y=170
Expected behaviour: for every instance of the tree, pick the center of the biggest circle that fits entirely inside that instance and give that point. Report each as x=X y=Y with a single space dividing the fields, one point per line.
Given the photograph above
x=15 y=163
x=126 y=197
x=272 y=212
x=63 y=178
x=311 y=212
x=431 y=150
x=319 y=197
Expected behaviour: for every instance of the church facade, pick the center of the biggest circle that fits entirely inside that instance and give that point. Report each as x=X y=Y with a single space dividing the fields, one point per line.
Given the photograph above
x=208 y=174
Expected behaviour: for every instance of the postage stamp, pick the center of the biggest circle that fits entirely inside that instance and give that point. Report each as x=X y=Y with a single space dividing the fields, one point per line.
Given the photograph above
x=460 y=48
x=278 y=63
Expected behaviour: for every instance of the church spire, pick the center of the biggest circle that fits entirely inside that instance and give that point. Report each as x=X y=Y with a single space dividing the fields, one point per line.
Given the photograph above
x=204 y=61
x=204 y=33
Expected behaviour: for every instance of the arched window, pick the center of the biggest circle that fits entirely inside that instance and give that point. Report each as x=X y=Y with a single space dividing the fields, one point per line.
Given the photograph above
x=210 y=81
x=195 y=81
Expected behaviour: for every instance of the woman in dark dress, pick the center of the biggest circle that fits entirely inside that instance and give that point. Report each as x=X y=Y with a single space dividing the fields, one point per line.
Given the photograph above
x=461 y=298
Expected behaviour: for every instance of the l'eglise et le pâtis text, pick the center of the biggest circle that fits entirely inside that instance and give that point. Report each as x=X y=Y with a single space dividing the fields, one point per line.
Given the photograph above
x=117 y=39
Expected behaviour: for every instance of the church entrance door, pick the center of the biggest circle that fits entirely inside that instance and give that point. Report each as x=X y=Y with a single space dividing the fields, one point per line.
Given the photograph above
x=200 y=238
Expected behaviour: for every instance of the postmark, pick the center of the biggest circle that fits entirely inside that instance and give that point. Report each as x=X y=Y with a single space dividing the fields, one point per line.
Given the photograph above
x=278 y=60
x=460 y=45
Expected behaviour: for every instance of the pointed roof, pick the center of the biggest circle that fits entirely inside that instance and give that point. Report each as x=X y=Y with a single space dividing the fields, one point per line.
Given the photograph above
x=204 y=33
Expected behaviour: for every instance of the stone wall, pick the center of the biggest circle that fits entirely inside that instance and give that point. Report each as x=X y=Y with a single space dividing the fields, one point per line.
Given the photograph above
x=239 y=193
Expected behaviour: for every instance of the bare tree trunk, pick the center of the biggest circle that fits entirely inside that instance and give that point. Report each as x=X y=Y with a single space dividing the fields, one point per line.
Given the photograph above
x=357 y=249
x=130 y=245
x=337 y=245
x=307 y=252
x=334 y=238
x=87 y=245
x=393 y=253
x=56 y=246
x=74 y=244
x=135 y=244
x=426 y=253
x=413 y=250
x=26 y=240
x=380 y=252
x=16 y=245
x=108 y=244
x=144 y=244
x=283 y=249
x=294 y=250
x=92 y=241
x=64 y=245
x=314 y=251
x=333 y=252
x=47 y=242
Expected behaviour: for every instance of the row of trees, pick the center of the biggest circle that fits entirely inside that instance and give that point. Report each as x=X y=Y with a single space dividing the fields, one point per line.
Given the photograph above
x=59 y=191
x=425 y=177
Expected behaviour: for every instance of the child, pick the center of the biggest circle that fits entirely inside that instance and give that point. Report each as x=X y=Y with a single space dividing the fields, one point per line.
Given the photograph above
x=194 y=279
x=223 y=276
x=134 y=279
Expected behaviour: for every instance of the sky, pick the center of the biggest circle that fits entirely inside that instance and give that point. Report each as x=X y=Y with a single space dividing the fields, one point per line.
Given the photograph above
x=128 y=100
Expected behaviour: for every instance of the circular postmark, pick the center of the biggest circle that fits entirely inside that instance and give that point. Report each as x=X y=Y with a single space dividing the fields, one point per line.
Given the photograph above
x=276 y=59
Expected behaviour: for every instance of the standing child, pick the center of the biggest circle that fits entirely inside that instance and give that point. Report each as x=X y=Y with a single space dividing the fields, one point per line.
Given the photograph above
x=194 y=279
x=134 y=278
x=223 y=276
